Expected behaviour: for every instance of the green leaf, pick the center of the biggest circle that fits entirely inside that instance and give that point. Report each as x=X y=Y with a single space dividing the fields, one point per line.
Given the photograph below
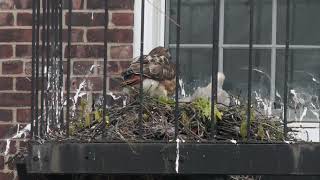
x=145 y=116
x=261 y=133
x=243 y=129
x=87 y=120
x=243 y=114
x=98 y=115
x=165 y=100
x=72 y=129
x=204 y=107
x=107 y=121
x=218 y=113
x=184 y=118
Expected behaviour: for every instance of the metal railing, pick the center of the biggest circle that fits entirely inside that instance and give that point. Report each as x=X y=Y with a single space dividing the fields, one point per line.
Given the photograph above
x=48 y=72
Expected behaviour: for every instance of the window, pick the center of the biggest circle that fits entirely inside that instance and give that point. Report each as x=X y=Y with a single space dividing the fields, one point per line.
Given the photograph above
x=269 y=44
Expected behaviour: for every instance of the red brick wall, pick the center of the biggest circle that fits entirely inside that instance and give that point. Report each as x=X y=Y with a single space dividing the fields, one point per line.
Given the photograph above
x=87 y=45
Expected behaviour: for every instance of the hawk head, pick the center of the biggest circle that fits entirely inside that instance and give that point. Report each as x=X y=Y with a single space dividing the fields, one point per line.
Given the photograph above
x=158 y=72
x=160 y=51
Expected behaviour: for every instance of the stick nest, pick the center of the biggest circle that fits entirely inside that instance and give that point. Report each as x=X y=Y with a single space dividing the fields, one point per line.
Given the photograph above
x=157 y=122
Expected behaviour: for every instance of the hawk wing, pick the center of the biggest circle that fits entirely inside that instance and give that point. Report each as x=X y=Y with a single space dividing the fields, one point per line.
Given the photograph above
x=156 y=66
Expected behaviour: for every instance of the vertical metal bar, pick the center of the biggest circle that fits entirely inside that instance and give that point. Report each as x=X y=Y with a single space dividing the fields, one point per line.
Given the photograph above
x=68 y=67
x=60 y=65
x=250 y=66
x=44 y=13
x=178 y=30
x=105 y=61
x=141 y=67
x=52 y=56
x=37 y=69
x=54 y=74
x=214 y=63
x=33 y=67
x=47 y=61
x=286 y=69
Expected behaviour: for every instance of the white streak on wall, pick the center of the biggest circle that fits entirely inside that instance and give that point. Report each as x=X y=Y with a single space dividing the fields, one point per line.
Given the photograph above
x=177 y=155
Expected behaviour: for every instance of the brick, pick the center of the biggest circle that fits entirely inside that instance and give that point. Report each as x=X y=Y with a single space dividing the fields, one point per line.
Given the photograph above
x=6 y=83
x=23 y=51
x=6 y=19
x=121 y=52
x=28 y=69
x=12 y=67
x=23 y=115
x=95 y=81
x=23 y=4
x=76 y=4
x=7 y=130
x=17 y=4
x=6 y=176
x=5 y=115
x=113 y=4
x=82 y=67
x=1 y=162
x=15 y=99
x=86 y=19
x=6 y=4
x=15 y=35
x=6 y=51
x=23 y=84
x=3 y=146
x=123 y=65
x=24 y=19
x=76 y=35
x=85 y=51
x=122 y=19
x=28 y=72
x=114 y=35
x=114 y=67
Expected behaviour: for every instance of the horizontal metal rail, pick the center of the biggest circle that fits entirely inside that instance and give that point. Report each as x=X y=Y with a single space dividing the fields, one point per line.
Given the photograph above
x=161 y=158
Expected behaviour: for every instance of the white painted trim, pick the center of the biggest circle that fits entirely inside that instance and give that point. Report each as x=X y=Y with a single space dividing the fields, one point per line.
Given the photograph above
x=273 y=51
x=154 y=27
x=221 y=35
x=246 y=46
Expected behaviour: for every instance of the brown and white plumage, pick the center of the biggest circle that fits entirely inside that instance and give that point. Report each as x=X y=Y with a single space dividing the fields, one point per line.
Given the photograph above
x=158 y=73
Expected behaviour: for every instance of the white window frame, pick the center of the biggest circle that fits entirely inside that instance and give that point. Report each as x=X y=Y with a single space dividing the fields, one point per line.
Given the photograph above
x=154 y=25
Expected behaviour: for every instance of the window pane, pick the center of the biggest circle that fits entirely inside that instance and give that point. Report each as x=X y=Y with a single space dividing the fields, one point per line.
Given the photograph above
x=304 y=81
x=196 y=21
x=236 y=71
x=305 y=26
x=195 y=67
x=237 y=22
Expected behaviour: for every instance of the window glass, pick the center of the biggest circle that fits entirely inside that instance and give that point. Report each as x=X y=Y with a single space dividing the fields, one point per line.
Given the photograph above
x=304 y=26
x=195 y=67
x=236 y=23
x=304 y=81
x=196 y=21
x=236 y=71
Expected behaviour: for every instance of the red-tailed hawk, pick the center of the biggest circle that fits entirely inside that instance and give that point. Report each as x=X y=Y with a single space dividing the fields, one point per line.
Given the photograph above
x=159 y=76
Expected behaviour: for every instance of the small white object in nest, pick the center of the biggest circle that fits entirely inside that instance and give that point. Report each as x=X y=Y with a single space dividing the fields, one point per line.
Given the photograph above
x=205 y=92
